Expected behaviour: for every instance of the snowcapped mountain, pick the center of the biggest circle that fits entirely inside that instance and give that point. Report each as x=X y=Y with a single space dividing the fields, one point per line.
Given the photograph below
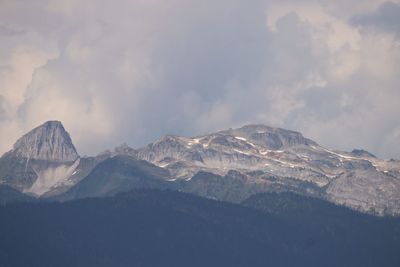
x=271 y=157
x=229 y=165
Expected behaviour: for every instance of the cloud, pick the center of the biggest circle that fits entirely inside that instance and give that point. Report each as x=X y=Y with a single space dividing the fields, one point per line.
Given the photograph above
x=132 y=71
x=386 y=18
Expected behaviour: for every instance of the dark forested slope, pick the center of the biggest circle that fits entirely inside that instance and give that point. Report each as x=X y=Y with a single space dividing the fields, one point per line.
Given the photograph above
x=165 y=228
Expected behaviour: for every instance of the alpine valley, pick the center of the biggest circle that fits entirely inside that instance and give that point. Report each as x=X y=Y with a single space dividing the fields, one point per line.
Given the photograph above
x=230 y=165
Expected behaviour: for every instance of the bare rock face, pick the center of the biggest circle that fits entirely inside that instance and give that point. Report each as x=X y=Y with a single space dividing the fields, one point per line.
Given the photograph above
x=42 y=159
x=50 y=142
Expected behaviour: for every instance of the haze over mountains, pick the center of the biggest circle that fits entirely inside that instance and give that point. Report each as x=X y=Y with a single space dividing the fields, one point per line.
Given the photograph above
x=229 y=165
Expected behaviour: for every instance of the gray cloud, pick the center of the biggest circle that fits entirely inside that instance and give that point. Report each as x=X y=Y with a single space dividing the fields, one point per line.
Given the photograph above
x=8 y=31
x=132 y=71
x=385 y=18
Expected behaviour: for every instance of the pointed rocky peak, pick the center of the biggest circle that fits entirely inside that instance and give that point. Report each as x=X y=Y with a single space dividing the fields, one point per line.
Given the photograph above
x=169 y=141
x=49 y=141
x=124 y=149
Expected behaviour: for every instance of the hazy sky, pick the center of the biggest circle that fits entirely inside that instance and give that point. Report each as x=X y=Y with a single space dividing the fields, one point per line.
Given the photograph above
x=131 y=71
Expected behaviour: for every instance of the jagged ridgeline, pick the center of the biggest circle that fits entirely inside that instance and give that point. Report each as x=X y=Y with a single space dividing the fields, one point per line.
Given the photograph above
x=229 y=165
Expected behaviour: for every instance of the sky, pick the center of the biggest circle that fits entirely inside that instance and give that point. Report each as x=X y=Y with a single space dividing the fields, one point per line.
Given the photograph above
x=131 y=71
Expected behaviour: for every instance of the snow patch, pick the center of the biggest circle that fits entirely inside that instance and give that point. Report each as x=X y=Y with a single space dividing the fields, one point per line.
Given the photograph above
x=193 y=141
x=163 y=165
x=341 y=155
x=285 y=163
x=253 y=145
x=241 y=152
x=51 y=177
x=244 y=140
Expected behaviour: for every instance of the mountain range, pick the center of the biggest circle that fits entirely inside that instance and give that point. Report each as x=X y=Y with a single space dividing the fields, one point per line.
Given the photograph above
x=230 y=165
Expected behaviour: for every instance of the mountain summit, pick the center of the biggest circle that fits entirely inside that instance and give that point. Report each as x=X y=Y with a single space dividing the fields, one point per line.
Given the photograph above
x=269 y=137
x=41 y=160
x=50 y=142
x=264 y=158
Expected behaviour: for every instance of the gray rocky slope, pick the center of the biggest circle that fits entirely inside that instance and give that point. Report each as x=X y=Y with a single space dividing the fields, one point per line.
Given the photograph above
x=49 y=142
x=275 y=158
x=42 y=159
x=228 y=165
